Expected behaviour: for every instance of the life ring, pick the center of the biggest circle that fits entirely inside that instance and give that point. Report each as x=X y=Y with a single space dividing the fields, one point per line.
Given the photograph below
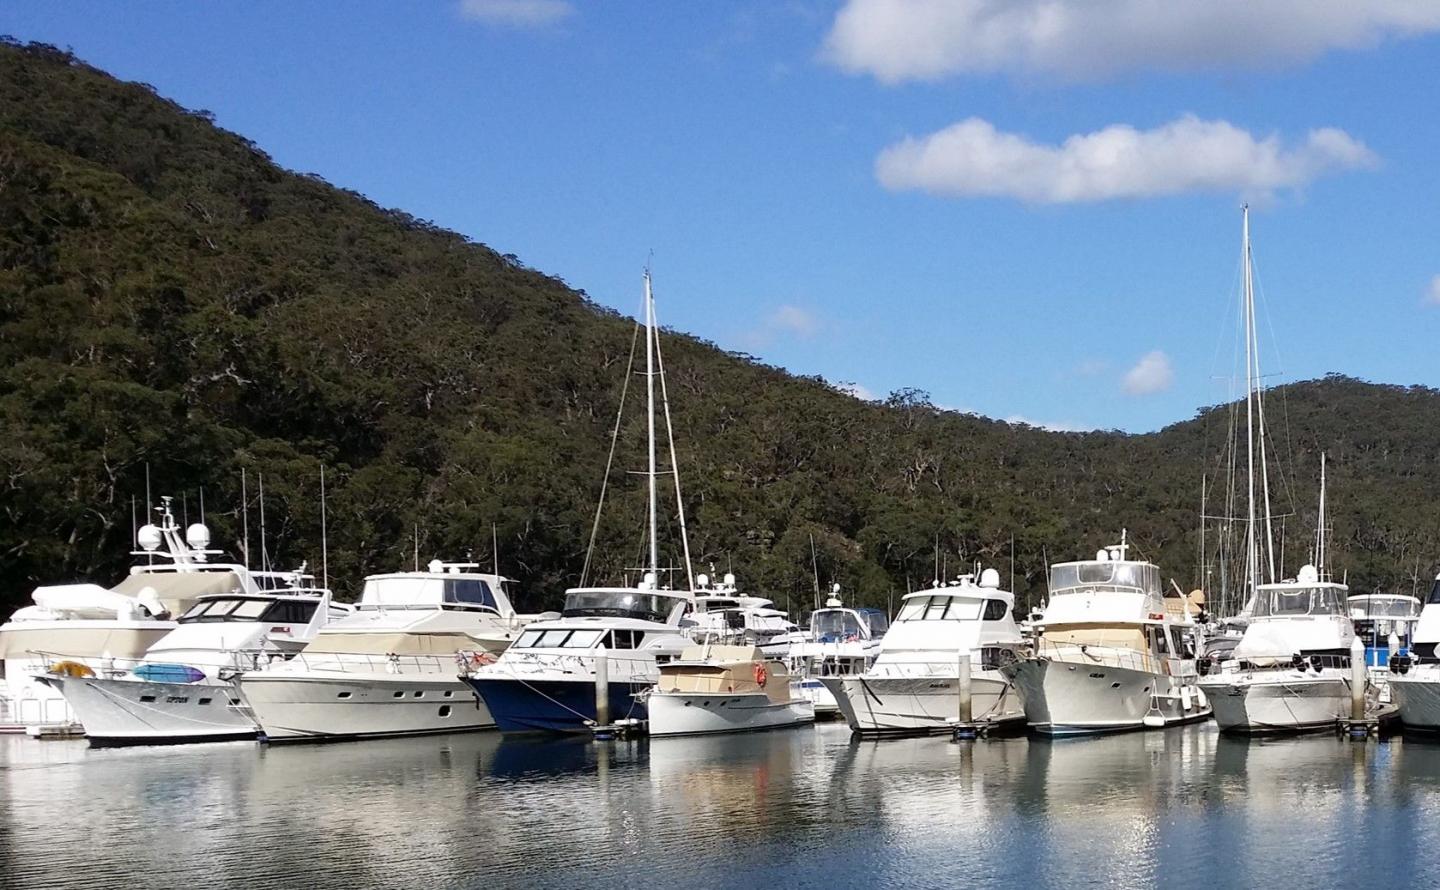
x=761 y=675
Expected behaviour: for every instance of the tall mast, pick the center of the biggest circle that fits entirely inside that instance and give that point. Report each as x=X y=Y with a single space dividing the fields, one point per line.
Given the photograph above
x=650 y=419
x=1252 y=562
x=1320 y=525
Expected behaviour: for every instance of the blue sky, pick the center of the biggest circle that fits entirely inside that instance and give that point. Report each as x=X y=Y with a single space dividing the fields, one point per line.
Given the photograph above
x=1028 y=216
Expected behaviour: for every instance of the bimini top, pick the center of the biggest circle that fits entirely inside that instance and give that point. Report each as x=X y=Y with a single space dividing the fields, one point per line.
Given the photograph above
x=643 y=604
x=445 y=585
x=1106 y=576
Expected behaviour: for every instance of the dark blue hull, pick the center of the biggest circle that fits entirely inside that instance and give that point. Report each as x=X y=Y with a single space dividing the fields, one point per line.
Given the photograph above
x=553 y=705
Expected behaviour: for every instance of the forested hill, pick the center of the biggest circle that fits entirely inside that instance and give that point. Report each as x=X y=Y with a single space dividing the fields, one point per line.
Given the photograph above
x=171 y=297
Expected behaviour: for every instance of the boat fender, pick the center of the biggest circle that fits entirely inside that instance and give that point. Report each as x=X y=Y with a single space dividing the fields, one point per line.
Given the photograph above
x=761 y=675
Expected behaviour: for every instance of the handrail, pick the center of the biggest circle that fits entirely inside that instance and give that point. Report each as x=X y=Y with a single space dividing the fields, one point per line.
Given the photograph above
x=1100 y=656
x=640 y=668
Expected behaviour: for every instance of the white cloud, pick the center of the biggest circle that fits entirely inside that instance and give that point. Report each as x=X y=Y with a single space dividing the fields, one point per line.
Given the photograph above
x=863 y=393
x=900 y=40
x=1150 y=375
x=794 y=320
x=973 y=159
x=1060 y=427
x=517 y=13
x=1432 y=294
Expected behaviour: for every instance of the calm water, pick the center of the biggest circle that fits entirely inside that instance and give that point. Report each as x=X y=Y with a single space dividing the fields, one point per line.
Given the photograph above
x=801 y=808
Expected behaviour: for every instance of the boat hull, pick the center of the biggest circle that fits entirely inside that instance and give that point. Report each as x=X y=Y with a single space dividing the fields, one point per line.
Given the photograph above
x=917 y=705
x=1418 y=698
x=1065 y=698
x=326 y=706
x=136 y=712
x=554 y=706
x=822 y=700
x=1277 y=702
x=695 y=713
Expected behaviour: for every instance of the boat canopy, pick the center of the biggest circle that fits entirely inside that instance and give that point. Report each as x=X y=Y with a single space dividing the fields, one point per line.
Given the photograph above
x=837 y=625
x=418 y=591
x=1293 y=600
x=1104 y=575
x=1383 y=605
x=178 y=591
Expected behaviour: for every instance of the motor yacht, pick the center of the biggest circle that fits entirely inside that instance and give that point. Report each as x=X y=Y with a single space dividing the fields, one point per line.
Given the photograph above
x=913 y=686
x=723 y=688
x=840 y=642
x=91 y=629
x=182 y=690
x=1414 y=678
x=389 y=669
x=721 y=614
x=1110 y=655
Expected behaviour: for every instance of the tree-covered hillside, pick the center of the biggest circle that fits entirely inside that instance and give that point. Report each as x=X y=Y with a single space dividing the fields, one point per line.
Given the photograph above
x=170 y=297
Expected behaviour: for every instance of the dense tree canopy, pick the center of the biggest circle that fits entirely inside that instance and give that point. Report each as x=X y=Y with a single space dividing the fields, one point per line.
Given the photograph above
x=171 y=299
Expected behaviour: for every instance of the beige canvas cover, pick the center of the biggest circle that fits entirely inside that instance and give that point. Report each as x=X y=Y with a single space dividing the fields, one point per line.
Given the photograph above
x=400 y=643
x=178 y=591
x=16 y=640
x=724 y=669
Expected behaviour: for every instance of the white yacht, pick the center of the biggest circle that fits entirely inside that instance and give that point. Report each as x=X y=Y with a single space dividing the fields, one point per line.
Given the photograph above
x=722 y=688
x=87 y=629
x=1415 y=678
x=547 y=680
x=1110 y=655
x=1290 y=671
x=913 y=686
x=841 y=642
x=389 y=669
x=721 y=614
x=182 y=690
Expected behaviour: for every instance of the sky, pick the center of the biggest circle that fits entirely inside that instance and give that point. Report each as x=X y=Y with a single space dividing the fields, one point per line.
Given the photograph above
x=1029 y=209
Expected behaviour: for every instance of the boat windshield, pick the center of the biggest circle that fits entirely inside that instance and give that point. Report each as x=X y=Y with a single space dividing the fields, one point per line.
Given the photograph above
x=637 y=604
x=1119 y=577
x=835 y=625
x=1434 y=596
x=1383 y=607
x=559 y=638
x=877 y=620
x=940 y=607
x=1291 y=600
x=249 y=609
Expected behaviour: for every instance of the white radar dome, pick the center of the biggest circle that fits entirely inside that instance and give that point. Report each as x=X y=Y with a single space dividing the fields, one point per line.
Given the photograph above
x=198 y=536
x=1308 y=574
x=702 y=580
x=1102 y=555
x=729 y=579
x=990 y=578
x=435 y=566
x=149 y=537
x=648 y=582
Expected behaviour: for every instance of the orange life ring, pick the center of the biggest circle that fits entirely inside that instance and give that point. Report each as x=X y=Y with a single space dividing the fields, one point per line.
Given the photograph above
x=761 y=675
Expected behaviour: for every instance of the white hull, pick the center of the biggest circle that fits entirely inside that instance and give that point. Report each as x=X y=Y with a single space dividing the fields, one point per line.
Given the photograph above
x=337 y=705
x=922 y=704
x=1278 y=701
x=1417 y=694
x=137 y=712
x=1065 y=698
x=694 y=713
x=822 y=700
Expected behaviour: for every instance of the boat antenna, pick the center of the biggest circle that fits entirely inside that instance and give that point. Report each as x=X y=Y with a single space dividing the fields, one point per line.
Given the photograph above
x=245 y=515
x=264 y=552
x=149 y=504
x=650 y=425
x=185 y=508
x=417 y=546
x=1320 y=526
x=134 y=529
x=324 y=535
x=495 y=548
x=202 y=505
x=674 y=459
x=1012 y=564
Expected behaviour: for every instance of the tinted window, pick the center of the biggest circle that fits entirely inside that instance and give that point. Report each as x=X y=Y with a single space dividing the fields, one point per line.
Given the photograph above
x=469 y=590
x=994 y=610
x=290 y=612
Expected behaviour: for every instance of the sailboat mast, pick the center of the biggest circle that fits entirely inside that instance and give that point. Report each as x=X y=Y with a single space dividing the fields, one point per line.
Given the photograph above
x=650 y=419
x=1320 y=526
x=1251 y=554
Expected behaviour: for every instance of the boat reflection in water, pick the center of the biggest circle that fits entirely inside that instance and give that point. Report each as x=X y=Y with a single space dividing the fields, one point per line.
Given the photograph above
x=802 y=808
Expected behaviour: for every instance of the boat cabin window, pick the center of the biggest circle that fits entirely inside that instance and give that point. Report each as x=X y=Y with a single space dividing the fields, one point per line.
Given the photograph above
x=835 y=625
x=618 y=604
x=994 y=610
x=1371 y=607
x=583 y=639
x=1293 y=601
x=626 y=639
x=912 y=610
x=877 y=620
x=471 y=591
x=1184 y=643
x=1128 y=577
x=225 y=610
x=1159 y=642
x=527 y=639
x=963 y=609
x=290 y=612
x=1434 y=596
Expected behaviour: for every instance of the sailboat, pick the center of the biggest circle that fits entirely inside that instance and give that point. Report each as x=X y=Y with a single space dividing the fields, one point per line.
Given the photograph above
x=546 y=680
x=1290 y=671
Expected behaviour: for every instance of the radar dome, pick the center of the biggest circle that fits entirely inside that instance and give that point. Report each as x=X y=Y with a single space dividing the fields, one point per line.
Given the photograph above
x=198 y=536
x=648 y=582
x=435 y=566
x=149 y=537
x=1102 y=555
x=835 y=588
x=990 y=578
x=1308 y=574
x=729 y=579
x=702 y=580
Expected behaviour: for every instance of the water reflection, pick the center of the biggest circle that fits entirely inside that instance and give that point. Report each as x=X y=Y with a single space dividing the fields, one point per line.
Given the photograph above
x=800 y=808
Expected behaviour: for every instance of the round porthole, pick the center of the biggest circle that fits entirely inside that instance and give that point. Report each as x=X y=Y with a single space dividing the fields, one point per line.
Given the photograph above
x=444 y=710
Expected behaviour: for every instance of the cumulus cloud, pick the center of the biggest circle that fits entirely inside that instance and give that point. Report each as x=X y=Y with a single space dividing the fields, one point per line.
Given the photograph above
x=1432 y=293
x=973 y=159
x=517 y=13
x=900 y=40
x=1150 y=375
